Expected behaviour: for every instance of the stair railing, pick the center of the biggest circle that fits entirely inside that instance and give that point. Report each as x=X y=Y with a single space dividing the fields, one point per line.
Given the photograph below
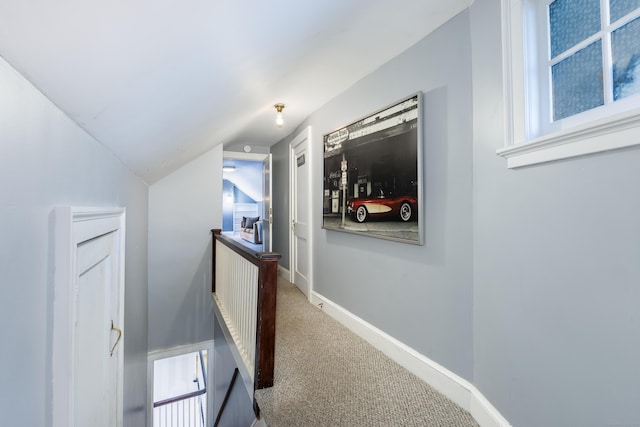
x=183 y=411
x=244 y=291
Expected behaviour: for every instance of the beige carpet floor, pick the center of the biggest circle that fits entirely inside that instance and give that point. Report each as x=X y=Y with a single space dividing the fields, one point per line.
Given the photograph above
x=325 y=375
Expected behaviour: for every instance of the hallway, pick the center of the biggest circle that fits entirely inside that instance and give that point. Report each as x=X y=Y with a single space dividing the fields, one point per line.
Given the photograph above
x=326 y=375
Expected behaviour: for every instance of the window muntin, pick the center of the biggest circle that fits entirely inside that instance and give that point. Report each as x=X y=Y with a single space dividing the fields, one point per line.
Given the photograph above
x=571 y=22
x=577 y=82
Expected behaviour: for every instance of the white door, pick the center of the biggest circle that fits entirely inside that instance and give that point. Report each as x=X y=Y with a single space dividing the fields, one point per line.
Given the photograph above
x=87 y=365
x=96 y=333
x=300 y=263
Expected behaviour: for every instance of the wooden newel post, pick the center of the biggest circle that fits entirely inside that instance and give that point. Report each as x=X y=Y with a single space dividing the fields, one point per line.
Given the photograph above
x=266 y=325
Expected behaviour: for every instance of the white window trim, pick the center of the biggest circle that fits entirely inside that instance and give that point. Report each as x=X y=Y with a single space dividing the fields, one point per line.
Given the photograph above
x=613 y=132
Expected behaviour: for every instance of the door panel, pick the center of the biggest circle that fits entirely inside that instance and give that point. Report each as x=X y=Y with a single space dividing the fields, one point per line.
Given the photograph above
x=89 y=293
x=300 y=221
x=95 y=374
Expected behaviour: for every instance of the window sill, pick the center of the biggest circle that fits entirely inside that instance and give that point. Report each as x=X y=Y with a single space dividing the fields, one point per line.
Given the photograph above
x=607 y=134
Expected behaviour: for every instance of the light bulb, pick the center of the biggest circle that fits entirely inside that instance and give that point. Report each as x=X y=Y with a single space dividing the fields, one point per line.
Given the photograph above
x=279 y=119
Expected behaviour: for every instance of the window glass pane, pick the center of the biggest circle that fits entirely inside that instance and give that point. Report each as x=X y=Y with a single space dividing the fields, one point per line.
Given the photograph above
x=577 y=82
x=620 y=8
x=572 y=21
x=625 y=44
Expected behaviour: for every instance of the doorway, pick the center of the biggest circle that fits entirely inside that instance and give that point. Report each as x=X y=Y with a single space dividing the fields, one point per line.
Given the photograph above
x=300 y=216
x=246 y=192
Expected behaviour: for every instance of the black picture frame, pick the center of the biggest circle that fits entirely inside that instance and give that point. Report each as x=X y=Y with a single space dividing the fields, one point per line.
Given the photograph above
x=372 y=182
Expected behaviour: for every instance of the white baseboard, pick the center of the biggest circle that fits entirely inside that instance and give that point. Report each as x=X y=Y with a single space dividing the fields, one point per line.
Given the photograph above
x=259 y=423
x=456 y=388
x=284 y=272
x=484 y=412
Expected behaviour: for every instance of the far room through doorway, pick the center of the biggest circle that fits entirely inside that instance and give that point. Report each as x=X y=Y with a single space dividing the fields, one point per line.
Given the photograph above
x=246 y=200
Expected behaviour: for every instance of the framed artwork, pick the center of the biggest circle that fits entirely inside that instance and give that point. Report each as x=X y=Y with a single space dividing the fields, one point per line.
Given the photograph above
x=373 y=175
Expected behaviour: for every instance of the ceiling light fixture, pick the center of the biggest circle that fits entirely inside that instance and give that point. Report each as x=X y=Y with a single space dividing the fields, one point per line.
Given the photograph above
x=279 y=119
x=228 y=168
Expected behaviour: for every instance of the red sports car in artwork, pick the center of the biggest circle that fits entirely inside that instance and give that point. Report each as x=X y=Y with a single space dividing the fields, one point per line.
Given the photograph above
x=403 y=208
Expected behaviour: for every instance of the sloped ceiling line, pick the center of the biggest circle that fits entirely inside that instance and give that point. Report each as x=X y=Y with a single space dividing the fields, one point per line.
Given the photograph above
x=161 y=82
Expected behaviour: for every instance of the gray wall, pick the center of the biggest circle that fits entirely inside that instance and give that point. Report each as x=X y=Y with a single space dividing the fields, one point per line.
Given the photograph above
x=48 y=161
x=183 y=208
x=556 y=272
x=527 y=285
x=421 y=295
x=239 y=408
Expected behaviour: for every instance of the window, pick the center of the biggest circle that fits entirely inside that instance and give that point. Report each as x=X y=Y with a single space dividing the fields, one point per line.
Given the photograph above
x=572 y=77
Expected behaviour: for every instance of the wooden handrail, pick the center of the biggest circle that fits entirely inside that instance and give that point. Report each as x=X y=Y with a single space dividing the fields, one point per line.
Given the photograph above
x=267 y=263
x=179 y=398
x=226 y=397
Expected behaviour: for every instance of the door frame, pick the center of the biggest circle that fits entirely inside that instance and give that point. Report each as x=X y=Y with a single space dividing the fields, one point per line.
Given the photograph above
x=73 y=226
x=305 y=134
x=257 y=157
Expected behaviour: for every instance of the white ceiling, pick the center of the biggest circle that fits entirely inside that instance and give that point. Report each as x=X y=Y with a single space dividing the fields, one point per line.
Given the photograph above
x=160 y=82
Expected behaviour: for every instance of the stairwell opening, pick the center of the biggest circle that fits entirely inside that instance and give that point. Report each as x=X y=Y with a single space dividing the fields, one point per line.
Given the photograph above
x=180 y=394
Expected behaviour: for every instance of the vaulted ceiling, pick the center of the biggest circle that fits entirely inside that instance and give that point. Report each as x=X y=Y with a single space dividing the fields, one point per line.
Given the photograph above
x=160 y=82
